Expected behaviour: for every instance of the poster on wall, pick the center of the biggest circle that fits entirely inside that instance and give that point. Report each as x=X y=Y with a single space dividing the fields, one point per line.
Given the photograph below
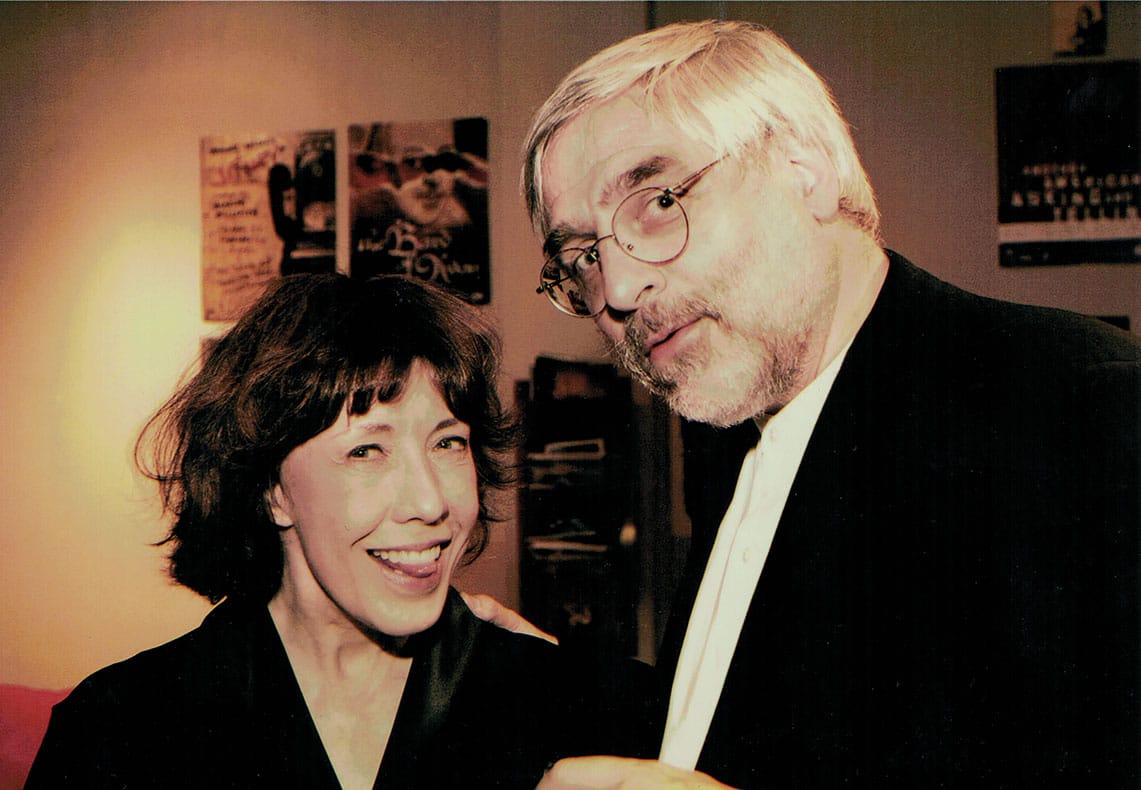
x=1079 y=29
x=418 y=203
x=1069 y=163
x=268 y=209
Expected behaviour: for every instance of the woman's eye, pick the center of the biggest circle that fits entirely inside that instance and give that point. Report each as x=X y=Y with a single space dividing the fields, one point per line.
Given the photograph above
x=453 y=443
x=366 y=451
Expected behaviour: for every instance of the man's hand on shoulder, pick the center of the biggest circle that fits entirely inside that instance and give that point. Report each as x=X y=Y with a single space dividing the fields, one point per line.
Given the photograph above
x=487 y=608
x=621 y=773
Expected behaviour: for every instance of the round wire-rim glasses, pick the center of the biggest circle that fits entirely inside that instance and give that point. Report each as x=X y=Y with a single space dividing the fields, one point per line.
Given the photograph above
x=650 y=225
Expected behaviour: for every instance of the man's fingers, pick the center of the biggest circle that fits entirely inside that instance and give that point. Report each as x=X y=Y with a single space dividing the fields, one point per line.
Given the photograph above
x=586 y=772
x=621 y=773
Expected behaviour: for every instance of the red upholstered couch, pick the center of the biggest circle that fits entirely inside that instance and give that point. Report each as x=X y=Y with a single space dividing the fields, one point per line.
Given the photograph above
x=24 y=714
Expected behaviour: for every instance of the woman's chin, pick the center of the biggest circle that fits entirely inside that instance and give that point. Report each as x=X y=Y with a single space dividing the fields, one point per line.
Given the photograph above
x=407 y=618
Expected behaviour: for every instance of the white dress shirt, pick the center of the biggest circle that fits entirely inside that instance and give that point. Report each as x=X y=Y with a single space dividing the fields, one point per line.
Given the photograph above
x=734 y=566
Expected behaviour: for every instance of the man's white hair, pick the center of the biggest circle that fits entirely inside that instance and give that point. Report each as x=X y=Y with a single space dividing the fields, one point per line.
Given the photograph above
x=734 y=85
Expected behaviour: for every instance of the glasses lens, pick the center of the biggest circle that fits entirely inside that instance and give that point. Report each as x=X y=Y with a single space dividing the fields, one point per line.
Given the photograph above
x=651 y=225
x=573 y=282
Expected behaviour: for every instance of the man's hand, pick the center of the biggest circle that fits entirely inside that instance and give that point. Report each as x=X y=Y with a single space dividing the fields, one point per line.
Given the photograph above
x=487 y=608
x=620 y=773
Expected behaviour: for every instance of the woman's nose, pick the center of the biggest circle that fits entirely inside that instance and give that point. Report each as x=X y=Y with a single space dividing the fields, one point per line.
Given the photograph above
x=419 y=495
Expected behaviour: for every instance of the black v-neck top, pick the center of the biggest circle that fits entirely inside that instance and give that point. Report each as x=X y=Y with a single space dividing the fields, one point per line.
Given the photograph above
x=220 y=708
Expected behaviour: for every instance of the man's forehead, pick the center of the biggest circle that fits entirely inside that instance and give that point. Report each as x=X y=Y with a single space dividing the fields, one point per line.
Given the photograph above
x=598 y=135
x=593 y=154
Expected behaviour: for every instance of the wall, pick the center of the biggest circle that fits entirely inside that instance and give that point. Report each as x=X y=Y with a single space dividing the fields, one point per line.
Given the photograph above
x=101 y=109
x=916 y=82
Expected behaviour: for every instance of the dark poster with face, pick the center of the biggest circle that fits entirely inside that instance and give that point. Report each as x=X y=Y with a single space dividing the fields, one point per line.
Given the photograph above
x=418 y=203
x=1069 y=163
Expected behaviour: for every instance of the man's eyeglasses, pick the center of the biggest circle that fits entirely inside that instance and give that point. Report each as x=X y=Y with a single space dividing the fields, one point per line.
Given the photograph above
x=650 y=225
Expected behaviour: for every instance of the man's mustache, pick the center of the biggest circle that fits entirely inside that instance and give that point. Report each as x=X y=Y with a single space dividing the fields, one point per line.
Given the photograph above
x=653 y=319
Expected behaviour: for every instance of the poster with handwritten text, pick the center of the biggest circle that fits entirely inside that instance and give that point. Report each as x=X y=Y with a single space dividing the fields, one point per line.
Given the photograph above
x=418 y=200
x=268 y=209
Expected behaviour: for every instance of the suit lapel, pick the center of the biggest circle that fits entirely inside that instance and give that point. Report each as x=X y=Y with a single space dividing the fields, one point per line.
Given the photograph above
x=804 y=620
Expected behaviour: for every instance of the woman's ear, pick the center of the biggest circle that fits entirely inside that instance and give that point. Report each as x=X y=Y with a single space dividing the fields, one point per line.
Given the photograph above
x=276 y=501
x=818 y=180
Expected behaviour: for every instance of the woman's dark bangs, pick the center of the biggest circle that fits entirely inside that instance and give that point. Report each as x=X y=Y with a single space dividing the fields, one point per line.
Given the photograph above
x=382 y=383
x=455 y=376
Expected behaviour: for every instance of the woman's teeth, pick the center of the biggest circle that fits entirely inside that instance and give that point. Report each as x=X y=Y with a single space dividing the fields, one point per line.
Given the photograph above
x=406 y=557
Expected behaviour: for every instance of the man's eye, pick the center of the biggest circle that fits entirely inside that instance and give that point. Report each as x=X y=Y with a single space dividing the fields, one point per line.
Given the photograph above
x=366 y=451
x=651 y=213
x=571 y=259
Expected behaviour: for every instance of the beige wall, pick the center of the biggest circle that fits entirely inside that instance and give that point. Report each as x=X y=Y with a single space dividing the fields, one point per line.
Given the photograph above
x=916 y=82
x=101 y=109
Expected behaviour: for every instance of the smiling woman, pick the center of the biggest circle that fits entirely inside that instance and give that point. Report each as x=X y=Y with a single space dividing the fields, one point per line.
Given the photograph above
x=377 y=511
x=326 y=472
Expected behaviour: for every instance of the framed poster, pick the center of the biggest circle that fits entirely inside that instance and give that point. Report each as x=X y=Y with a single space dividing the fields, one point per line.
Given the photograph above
x=1069 y=163
x=268 y=209
x=418 y=203
x=1079 y=29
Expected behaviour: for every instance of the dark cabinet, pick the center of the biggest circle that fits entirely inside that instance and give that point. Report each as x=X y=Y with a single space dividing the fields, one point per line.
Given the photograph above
x=579 y=499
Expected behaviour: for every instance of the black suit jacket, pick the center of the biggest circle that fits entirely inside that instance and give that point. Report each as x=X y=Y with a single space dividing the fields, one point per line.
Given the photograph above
x=220 y=708
x=951 y=597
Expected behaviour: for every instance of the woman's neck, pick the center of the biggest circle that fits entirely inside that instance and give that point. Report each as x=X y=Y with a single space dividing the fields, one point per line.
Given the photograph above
x=351 y=681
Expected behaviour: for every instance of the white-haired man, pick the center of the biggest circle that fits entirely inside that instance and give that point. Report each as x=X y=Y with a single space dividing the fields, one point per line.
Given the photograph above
x=928 y=572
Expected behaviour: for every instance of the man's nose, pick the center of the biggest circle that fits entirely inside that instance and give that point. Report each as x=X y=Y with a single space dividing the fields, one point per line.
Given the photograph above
x=627 y=282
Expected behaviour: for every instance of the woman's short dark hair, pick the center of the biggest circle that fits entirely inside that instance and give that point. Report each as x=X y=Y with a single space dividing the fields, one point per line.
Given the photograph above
x=311 y=345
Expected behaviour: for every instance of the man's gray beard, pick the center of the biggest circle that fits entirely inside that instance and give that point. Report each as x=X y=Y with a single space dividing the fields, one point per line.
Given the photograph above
x=625 y=355
x=780 y=368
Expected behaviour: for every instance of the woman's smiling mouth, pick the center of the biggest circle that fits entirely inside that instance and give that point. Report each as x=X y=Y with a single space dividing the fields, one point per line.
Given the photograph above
x=413 y=562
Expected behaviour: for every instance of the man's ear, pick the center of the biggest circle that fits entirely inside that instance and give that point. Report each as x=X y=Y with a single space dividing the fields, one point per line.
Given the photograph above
x=818 y=180
x=275 y=499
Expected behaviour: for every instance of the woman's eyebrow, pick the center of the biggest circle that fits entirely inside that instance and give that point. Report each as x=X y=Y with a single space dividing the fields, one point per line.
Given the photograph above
x=369 y=427
x=449 y=422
